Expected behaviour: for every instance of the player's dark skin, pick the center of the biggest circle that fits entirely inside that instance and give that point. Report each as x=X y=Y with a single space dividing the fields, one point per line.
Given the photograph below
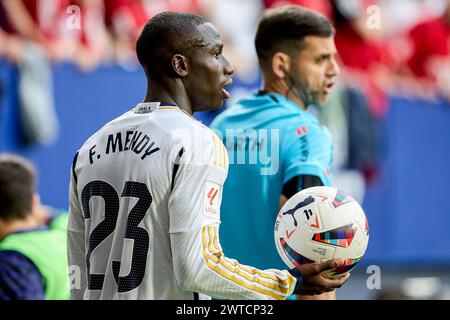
x=199 y=77
x=196 y=82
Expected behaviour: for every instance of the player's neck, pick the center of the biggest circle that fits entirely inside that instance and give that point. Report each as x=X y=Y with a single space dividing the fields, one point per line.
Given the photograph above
x=280 y=87
x=9 y=227
x=171 y=95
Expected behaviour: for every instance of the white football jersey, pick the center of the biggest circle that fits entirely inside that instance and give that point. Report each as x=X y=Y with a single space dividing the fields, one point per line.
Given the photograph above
x=144 y=214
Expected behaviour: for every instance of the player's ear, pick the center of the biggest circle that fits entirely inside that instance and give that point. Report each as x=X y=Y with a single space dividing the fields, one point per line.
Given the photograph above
x=280 y=64
x=36 y=203
x=180 y=65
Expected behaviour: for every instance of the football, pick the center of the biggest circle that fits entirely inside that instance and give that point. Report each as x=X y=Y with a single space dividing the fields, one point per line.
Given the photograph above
x=322 y=223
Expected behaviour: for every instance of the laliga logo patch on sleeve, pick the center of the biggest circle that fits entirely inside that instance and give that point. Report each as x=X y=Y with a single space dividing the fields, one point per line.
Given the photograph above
x=211 y=199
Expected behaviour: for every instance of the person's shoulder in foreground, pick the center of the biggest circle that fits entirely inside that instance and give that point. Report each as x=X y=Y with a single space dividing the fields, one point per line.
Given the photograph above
x=32 y=252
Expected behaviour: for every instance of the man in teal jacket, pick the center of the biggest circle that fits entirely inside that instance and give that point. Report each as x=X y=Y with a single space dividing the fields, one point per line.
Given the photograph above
x=275 y=146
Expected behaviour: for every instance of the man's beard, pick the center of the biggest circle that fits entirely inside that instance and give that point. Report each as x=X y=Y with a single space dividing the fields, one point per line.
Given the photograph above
x=299 y=88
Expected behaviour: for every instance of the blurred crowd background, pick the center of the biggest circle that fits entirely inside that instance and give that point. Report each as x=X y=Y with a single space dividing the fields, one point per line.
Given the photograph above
x=398 y=47
x=67 y=66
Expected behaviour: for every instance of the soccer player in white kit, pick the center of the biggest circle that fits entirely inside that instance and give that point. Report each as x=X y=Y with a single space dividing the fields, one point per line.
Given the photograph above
x=146 y=188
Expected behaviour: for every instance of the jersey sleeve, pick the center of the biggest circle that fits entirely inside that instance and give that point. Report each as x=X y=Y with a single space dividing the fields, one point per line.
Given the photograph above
x=194 y=208
x=76 y=242
x=306 y=150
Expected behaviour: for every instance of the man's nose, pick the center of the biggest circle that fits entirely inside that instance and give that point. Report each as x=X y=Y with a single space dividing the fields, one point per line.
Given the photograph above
x=334 y=68
x=228 y=68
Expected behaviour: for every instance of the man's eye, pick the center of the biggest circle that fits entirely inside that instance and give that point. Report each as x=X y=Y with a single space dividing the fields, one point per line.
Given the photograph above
x=217 y=54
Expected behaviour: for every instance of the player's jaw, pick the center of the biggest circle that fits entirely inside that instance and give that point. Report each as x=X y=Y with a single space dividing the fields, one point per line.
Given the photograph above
x=327 y=90
x=328 y=87
x=211 y=95
x=219 y=92
x=224 y=91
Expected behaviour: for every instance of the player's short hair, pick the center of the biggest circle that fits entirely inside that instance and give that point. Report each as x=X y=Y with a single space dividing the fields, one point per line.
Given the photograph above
x=164 y=35
x=17 y=186
x=285 y=28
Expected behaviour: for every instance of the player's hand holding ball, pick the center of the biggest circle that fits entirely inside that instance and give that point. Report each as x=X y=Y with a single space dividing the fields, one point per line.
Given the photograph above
x=323 y=233
x=315 y=282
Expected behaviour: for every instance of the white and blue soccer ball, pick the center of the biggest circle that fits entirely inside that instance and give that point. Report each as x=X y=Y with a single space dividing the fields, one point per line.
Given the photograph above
x=322 y=223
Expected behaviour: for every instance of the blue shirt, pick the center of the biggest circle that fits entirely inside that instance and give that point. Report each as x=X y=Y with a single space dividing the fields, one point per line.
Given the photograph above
x=269 y=140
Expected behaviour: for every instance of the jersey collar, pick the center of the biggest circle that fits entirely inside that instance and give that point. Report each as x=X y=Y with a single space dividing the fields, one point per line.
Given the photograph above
x=149 y=107
x=284 y=102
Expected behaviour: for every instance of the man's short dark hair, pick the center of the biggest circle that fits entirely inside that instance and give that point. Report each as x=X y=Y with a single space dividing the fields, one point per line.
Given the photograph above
x=17 y=186
x=284 y=29
x=164 y=35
